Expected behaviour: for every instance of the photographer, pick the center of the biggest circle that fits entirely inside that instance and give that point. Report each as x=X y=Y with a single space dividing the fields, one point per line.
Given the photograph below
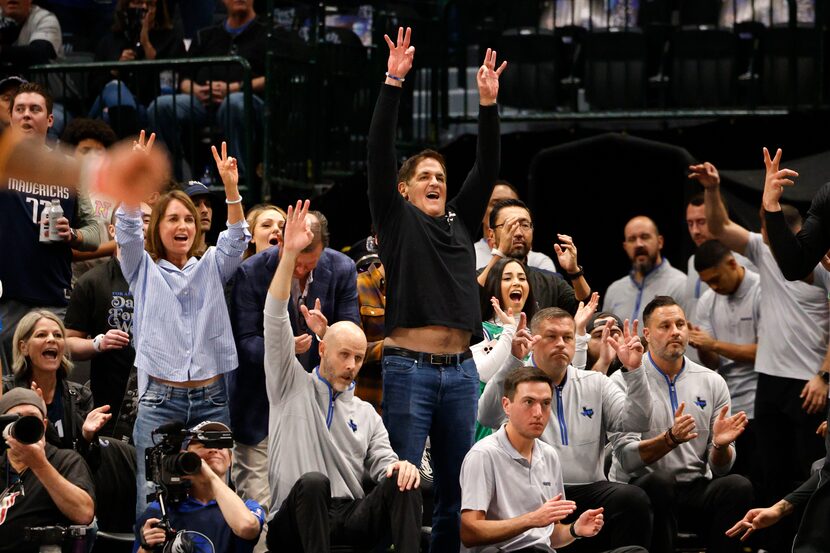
x=43 y=485
x=209 y=511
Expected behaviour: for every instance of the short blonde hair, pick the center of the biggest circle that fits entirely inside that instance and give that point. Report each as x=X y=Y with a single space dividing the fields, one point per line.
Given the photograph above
x=23 y=332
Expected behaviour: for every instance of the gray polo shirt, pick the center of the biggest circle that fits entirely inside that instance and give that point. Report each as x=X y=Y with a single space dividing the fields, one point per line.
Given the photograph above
x=705 y=393
x=696 y=287
x=734 y=319
x=496 y=479
x=793 y=332
x=586 y=406
x=626 y=298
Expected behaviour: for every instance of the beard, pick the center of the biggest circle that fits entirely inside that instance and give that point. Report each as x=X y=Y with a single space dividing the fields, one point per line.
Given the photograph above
x=519 y=251
x=645 y=266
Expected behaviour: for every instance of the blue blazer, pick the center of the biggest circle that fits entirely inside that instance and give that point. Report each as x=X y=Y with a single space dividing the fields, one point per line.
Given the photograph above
x=335 y=284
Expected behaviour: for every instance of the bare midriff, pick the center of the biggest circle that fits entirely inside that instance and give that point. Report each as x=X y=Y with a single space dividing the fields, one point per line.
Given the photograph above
x=188 y=383
x=430 y=339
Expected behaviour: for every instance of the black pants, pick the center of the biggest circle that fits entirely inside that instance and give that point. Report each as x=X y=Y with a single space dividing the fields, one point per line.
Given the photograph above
x=813 y=534
x=787 y=445
x=709 y=507
x=310 y=520
x=627 y=514
x=630 y=549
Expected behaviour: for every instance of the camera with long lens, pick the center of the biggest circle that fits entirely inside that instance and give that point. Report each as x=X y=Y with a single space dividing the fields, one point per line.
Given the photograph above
x=26 y=429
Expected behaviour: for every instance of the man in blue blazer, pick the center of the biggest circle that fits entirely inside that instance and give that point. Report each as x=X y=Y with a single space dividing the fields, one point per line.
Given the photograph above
x=320 y=274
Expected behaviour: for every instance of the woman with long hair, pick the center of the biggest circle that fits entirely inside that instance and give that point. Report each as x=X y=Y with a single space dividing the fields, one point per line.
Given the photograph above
x=265 y=222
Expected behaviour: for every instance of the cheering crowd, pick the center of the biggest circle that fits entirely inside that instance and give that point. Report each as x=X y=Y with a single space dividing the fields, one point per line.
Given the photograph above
x=543 y=414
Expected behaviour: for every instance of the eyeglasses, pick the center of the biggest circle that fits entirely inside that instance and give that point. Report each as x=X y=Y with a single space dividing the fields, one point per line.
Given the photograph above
x=524 y=224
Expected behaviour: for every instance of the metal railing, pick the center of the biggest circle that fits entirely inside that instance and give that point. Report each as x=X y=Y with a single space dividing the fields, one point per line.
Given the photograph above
x=77 y=86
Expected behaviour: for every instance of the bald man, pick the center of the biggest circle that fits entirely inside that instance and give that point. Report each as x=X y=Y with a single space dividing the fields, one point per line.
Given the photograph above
x=651 y=274
x=323 y=441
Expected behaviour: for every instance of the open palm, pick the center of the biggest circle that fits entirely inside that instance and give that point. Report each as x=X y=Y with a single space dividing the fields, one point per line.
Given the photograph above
x=401 y=54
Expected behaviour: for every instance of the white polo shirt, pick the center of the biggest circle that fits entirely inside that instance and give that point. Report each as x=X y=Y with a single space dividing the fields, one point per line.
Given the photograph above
x=734 y=318
x=793 y=332
x=496 y=479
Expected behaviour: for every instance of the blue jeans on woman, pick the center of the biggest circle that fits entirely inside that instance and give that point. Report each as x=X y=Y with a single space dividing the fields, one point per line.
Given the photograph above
x=116 y=93
x=420 y=399
x=161 y=404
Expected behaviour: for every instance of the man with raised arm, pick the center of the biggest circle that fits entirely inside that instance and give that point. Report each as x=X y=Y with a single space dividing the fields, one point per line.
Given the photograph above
x=324 y=442
x=513 y=492
x=792 y=360
x=430 y=381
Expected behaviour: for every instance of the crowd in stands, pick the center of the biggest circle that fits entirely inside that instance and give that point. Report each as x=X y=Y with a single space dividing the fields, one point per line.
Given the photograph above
x=529 y=417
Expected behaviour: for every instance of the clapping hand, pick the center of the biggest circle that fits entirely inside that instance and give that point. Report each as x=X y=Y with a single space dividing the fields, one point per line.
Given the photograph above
x=95 y=421
x=487 y=78
x=726 y=430
x=566 y=254
x=584 y=313
x=589 y=523
x=775 y=181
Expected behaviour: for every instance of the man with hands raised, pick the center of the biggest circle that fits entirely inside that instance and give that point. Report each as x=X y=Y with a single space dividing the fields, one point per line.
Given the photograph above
x=500 y=511
x=324 y=442
x=683 y=460
x=587 y=406
x=430 y=381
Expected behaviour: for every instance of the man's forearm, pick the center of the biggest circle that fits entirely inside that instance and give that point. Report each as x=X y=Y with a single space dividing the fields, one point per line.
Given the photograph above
x=582 y=290
x=72 y=501
x=485 y=532
x=737 y=352
x=720 y=456
x=654 y=449
x=241 y=520
x=81 y=349
x=716 y=214
x=561 y=535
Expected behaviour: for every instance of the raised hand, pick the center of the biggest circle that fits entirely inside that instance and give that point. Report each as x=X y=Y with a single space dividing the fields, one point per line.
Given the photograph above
x=95 y=421
x=226 y=166
x=683 y=428
x=566 y=254
x=584 y=313
x=505 y=319
x=630 y=349
x=726 y=430
x=523 y=341
x=775 y=181
x=296 y=234
x=506 y=239
x=487 y=79
x=141 y=145
x=589 y=523
x=302 y=343
x=552 y=510
x=401 y=55
x=314 y=319
x=705 y=173
x=131 y=173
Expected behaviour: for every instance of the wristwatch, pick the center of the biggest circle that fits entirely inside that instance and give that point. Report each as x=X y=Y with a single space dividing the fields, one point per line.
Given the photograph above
x=825 y=376
x=73 y=235
x=573 y=533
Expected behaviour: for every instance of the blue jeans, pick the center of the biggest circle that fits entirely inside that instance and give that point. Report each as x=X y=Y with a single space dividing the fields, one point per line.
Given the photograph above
x=161 y=404
x=168 y=114
x=421 y=399
x=116 y=93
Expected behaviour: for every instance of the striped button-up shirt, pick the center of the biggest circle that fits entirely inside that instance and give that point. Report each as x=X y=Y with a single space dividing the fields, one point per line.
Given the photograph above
x=180 y=323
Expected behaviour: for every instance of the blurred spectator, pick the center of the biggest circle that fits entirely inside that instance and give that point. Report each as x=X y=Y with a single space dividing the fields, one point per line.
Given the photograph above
x=99 y=323
x=143 y=30
x=201 y=197
x=767 y=12
x=217 y=90
x=29 y=35
x=8 y=88
x=92 y=137
x=265 y=222
x=37 y=273
x=323 y=279
x=195 y=15
x=591 y=14
x=43 y=485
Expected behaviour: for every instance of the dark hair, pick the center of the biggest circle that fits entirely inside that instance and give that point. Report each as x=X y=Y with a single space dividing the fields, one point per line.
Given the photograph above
x=492 y=287
x=658 y=301
x=320 y=230
x=407 y=170
x=501 y=182
x=82 y=128
x=160 y=21
x=521 y=375
x=501 y=204
x=34 y=88
x=696 y=200
x=710 y=254
x=548 y=314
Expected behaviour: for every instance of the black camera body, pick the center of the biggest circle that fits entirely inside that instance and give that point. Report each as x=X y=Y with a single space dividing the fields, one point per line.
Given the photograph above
x=26 y=429
x=133 y=21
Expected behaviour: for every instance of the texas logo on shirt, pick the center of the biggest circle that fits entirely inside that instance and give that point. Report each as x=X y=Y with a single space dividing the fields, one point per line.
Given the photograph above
x=7 y=503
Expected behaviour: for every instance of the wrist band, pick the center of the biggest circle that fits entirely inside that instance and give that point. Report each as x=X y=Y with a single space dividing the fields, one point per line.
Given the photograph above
x=716 y=446
x=96 y=342
x=232 y=202
x=395 y=77
x=672 y=437
x=669 y=443
x=497 y=252
x=576 y=275
x=573 y=533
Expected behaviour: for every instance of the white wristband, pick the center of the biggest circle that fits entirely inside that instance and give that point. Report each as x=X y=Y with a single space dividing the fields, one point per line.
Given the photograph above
x=96 y=342
x=496 y=252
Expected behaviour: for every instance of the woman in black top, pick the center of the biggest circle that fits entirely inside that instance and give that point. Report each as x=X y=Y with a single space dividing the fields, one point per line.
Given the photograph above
x=142 y=31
